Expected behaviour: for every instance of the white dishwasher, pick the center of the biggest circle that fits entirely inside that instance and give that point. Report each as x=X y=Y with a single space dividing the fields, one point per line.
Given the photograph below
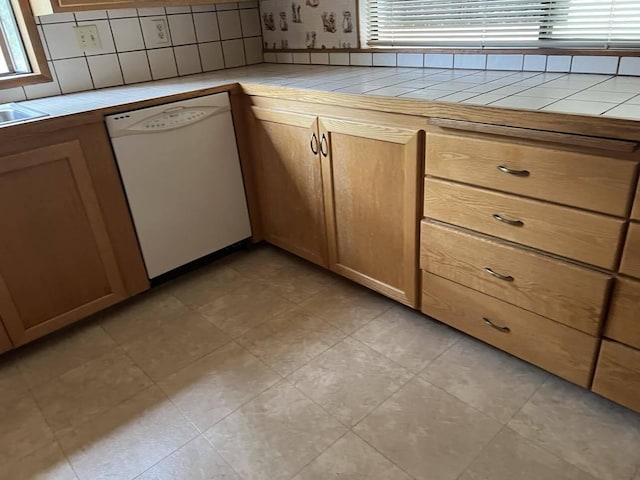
x=181 y=173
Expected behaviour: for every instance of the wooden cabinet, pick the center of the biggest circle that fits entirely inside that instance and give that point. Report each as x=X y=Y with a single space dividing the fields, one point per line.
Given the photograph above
x=67 y=247
x=371 y=184
x=618 y=374
x=559 y=349
x=623 y=323
x=561 y=291
x=635 y=213
x=593 y=182
x=5 y=343
x=631 y=256
x=289 y=177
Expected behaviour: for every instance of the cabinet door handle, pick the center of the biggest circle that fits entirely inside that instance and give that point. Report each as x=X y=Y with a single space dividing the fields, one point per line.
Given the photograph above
x=313 y=143
x=497 y=327
x=514 y=223
x=506 y=278
x=323 y=146
x=511 y=171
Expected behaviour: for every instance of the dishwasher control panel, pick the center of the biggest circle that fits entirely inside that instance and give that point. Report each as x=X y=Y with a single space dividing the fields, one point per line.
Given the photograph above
x=175 y=119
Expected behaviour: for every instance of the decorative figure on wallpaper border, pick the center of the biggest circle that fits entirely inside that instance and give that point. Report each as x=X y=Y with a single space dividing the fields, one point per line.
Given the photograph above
x=312 y=3
x=269 y=22
x=329 y=22
x=284 y=26
x=345 y=44
x=295 y=9
x=311 y=39
x=347 y=22
x=284 y=44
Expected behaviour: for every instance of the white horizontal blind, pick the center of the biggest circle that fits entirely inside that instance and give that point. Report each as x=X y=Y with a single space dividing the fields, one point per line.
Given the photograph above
x=502 y=22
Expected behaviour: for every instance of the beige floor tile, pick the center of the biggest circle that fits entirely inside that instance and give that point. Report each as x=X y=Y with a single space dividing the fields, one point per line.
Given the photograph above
x=205 y=285
x=197 y=460
x=407 y=337
x=347 y=306
x=65 y=350
x=260 y=261
x=350 y=380
x=351 y=459
x=289 y=340
x=86 y=391
x=11 y=377
x=244 y=308
x=175 y=344
x=46 y=463
x=299 y=281
x=511 y=457
x=275 y=435
x=489 y=380
x=427 y=432
x=596 y=435
x=214 y=386
x=23 y=429
x=128 y=439
x=138 y=316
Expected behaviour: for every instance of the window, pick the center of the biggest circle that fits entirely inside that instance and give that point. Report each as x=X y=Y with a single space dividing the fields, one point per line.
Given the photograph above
x=13 y=58
x=21 y=55
x=513 y=23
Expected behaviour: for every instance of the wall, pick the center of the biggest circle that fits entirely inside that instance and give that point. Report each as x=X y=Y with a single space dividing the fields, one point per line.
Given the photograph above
x=309 y=24
x=202 y=38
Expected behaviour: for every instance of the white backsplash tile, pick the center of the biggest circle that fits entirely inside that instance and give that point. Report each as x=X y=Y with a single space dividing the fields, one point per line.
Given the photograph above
x=73 y=74
x=438 y=60
x=505 y=62
x=162 y=63
x=233 y=51
x=61 y=39
x=150 y=12
x=559 y=63
x=284 y=57
x=91 y=15
x=105 y=70
x=469 y=60
x=629 y=66
x=410 y=60
x=135 y=67
x=187 y=59
x=384 y=59
x=250 y=22
x=206 y=24
x=301 y=57
x=336 y=58
x=106 y=38
x=229 y=23
x=150 y=27
x=211 y=56
x=594 y=64
x=122 y=13
x=361 y=59
x=253 y=50
x=272 y=57
x=319 y=58
x=177 y=10
x=127 y=34
x=535 y=63
x=182 y=29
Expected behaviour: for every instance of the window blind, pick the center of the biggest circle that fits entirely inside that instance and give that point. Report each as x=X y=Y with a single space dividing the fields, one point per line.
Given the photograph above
x=480 y=23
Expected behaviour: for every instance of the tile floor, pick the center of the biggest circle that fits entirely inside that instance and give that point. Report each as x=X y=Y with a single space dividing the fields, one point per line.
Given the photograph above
x=263 y=367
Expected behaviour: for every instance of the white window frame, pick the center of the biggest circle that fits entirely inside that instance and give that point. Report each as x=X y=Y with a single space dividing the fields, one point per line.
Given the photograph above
x=542 y=43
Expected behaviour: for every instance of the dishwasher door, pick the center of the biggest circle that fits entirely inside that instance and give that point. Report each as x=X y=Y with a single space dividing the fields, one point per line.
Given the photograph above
x=181 y=173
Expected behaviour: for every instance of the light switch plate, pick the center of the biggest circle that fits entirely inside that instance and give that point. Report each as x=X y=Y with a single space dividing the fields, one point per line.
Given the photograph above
x=88 y=37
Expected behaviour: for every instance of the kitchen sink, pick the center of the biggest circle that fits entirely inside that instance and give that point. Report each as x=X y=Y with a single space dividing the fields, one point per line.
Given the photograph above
x=13 y=113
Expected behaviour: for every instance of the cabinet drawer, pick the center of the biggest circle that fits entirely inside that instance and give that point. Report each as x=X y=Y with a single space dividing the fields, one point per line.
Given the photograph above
x=635 y=214
x=561 y=350
x=588 y=181
x=631 y=254
x=618 y=374
x=623 y=323
x=555 y=289
x=584 y=236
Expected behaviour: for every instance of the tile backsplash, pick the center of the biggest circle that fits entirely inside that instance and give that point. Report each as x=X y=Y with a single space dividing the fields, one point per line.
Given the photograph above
x=196 y=39
x=604 y=64
x=309 y=24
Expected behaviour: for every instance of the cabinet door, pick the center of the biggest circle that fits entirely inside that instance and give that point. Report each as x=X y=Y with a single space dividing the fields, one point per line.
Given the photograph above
x=57 y=264
x=290 y=183
x=371 y=185
x=5 y=343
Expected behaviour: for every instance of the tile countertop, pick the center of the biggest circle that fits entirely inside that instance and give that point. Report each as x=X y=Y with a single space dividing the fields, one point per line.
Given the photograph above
x=581 y=94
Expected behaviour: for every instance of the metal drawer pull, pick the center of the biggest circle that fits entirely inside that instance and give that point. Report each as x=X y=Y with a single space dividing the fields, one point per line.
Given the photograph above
x=511 y=171
x=313 y=143
x=515 y=223
x=323 y=146
x=506 y=278
x=497 y=327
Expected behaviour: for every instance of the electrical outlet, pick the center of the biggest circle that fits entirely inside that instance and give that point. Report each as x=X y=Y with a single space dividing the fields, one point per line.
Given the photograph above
x=160 y=31
x=87 y=37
